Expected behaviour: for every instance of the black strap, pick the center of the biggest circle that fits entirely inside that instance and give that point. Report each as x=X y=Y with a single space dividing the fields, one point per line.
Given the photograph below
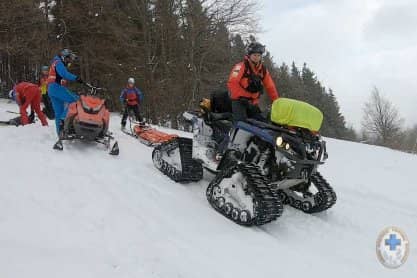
x=248 y=67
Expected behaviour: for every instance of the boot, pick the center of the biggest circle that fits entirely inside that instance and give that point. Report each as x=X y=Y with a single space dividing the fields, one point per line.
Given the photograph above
x=58 y=146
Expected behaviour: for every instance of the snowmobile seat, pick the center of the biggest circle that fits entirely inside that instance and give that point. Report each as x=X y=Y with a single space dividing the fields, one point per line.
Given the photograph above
x=221 y=116
x=264 y=125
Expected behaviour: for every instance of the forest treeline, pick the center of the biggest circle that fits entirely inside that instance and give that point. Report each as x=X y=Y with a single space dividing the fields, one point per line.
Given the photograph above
x=177 y=50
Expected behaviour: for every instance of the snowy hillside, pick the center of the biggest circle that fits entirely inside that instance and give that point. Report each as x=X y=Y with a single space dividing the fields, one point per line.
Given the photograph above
x=84 y=213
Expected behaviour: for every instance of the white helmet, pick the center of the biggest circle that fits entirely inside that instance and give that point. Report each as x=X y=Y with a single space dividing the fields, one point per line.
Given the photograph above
x=131 y=80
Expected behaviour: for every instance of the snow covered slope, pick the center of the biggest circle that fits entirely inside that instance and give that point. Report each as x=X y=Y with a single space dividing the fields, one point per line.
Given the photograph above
x=84 y=213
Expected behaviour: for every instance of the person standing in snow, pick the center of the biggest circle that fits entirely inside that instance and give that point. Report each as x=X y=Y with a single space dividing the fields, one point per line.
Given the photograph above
x=28 y=94
x=131 y=97
x=57 y=78
x=43 y=84
x=246 y=83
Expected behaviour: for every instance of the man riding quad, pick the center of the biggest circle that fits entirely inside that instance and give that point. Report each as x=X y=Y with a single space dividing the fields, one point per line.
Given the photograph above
x=246 y=83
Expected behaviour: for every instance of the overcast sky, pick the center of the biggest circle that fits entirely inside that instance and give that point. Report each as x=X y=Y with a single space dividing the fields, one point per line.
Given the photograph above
x=351 y=45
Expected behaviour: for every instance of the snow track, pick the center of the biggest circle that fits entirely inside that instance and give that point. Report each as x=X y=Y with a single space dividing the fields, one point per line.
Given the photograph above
x=84 y=213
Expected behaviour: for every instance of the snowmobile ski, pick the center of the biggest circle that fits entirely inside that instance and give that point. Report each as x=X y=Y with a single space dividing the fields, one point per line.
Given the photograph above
x=115 y=149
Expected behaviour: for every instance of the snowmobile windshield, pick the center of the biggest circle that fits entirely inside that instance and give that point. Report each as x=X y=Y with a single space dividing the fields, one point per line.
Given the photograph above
x=91 y=106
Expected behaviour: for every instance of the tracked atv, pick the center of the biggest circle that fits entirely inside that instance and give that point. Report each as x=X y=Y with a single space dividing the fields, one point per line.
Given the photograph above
x=88 y=120
x=264 y=165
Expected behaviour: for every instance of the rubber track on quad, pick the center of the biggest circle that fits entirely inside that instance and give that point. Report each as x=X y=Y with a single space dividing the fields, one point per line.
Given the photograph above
x=324 y=199
x=192 y=170
x=267 y=203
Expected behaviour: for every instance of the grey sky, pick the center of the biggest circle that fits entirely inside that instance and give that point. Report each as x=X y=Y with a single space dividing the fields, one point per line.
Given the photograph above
x=352 y=45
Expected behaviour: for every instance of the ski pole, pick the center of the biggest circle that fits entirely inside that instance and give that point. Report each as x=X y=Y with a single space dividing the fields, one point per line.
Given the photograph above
x=12 y=112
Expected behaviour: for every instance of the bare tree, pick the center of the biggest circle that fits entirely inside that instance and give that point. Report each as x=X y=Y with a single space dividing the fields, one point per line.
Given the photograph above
x=382 y=120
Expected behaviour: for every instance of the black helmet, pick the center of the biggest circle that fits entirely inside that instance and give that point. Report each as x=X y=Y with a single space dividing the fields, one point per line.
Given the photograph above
x=255 y=47
x=67 y=53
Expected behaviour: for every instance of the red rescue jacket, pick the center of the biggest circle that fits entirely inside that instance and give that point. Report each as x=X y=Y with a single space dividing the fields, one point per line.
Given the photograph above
x=52 y=76
x=24 y=89
x=239 y=80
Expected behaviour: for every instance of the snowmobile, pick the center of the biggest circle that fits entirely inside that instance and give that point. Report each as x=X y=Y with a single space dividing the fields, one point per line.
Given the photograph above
x=145 y=133
x=88 y=120
x=264 y=165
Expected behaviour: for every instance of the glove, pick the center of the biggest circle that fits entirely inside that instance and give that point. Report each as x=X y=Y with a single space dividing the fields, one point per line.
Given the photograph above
x=79 y=80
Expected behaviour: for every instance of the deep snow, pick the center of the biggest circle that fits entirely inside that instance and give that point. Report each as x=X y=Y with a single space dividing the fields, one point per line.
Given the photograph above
x=84 y=213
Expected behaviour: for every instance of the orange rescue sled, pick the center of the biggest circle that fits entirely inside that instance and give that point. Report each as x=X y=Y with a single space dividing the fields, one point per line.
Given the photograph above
x=151 y=136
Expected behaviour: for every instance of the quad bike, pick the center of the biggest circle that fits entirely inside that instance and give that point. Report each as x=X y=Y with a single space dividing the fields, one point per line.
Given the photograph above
x=88 y=120
x=264 y=165
x=145 y=133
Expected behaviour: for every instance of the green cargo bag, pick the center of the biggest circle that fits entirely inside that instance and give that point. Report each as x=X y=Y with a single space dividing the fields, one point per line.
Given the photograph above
x=296 y=113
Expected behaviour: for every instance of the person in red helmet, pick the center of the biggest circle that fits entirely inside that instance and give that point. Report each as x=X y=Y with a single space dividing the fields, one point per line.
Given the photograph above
x=28 y=94
x=246 y=83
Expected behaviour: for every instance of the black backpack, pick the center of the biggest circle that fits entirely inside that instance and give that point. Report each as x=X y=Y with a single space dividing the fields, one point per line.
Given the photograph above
x=220 y=102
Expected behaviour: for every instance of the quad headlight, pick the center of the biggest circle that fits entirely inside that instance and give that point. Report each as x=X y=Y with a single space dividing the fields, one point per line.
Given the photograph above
x=281 y=144
x=279 y=141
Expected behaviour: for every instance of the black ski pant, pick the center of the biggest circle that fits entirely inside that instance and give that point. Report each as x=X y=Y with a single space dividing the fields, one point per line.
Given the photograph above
x=131 y=109
x=221 y=134
x=243 y=109
x=48 y=110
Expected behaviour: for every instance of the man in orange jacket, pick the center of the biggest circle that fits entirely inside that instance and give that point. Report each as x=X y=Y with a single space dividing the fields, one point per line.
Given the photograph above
x=246 y=83
x=26 y=94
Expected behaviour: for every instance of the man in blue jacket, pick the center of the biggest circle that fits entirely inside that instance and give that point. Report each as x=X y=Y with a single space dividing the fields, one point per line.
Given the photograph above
x=130 y=98
x=57 y=79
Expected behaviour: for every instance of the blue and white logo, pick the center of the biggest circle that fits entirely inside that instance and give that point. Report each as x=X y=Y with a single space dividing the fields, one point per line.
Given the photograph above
x=392 y=247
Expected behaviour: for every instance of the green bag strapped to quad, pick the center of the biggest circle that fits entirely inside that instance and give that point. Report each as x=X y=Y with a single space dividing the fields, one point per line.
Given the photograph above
x=291 y=112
